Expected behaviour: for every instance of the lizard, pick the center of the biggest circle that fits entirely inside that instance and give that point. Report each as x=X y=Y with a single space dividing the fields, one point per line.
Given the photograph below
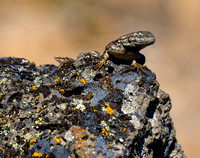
x=126 y=48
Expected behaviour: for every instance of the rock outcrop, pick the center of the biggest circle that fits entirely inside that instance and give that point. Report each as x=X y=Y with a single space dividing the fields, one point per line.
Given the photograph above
x=74 y=111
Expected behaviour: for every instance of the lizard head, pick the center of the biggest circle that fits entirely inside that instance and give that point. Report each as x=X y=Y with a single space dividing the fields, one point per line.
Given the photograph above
x=141 y=39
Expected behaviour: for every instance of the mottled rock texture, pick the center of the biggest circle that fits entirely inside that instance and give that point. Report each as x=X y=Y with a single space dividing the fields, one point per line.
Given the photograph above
x=72 y=110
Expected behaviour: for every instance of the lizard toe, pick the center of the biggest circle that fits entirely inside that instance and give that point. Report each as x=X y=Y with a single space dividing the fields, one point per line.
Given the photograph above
x=139 y=67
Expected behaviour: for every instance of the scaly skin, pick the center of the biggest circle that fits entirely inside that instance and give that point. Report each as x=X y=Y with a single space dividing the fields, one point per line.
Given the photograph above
x=127 y=48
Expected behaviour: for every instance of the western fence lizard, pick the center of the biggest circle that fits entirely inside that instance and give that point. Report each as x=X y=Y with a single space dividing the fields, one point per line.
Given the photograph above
x=127 y=48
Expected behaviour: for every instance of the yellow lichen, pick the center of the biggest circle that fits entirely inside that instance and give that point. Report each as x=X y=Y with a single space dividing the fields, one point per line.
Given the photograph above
x=37 y=154
x=33 y=87
x=104 y=125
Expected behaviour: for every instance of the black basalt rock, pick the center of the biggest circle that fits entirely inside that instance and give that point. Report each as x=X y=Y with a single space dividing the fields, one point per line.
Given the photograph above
x=72 y=110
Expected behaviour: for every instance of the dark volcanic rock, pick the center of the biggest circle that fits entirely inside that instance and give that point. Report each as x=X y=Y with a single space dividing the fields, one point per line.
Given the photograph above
x=75 y=111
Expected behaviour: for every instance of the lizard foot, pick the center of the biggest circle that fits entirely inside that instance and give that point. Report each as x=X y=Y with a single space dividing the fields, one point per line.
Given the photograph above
x=99 y=64
x=62 y=60
x=139 y=67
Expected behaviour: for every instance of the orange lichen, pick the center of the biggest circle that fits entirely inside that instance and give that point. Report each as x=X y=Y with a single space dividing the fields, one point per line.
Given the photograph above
x=62 y=90
x=39 y=109
x=57 y=79
x=82 y=81
x=4 y=121
x=32 y=140
x=109 y=110
x=104 y=132
x=33 y=87
x=57 y=139
x=37 y=154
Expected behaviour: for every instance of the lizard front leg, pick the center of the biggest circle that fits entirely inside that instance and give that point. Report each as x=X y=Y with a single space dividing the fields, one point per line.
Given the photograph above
x=140 y=60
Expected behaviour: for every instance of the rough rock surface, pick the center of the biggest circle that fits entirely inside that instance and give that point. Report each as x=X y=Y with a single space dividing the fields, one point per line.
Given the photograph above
x=74 y=111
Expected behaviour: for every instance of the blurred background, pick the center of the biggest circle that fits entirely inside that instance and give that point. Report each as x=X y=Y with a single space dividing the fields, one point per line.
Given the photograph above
x=40 y=30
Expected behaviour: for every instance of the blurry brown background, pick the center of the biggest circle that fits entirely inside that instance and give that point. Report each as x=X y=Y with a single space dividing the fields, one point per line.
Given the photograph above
x=40 y=30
